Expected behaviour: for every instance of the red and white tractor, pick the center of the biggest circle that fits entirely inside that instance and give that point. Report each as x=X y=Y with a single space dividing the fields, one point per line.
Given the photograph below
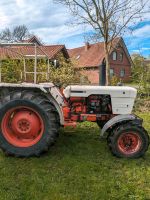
x=31 y=114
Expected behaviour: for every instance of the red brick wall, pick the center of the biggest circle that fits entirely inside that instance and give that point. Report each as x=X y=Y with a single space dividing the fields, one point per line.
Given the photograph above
x=118 y=65
x=93 y=73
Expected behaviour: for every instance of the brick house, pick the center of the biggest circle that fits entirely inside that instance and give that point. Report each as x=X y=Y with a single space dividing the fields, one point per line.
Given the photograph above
x=89 y=58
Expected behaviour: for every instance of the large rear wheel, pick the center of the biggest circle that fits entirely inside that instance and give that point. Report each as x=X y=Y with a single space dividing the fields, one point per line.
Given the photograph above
x=128 y=141
x=29 y=123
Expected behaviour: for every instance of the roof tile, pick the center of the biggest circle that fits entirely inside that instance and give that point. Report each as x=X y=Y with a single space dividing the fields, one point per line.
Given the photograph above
x=91 y=57
x=21 y=51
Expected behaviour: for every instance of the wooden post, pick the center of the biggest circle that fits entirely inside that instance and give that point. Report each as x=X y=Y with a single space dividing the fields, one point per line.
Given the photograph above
x=24 y=63
x=35 y=65
x=48 y=70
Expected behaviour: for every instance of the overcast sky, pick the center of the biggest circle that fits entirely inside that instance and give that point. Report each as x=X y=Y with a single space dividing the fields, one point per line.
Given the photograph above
x=49 y=22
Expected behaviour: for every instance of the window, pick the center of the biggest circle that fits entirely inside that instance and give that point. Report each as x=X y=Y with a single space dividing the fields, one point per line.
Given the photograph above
x=121 y=56
x=114 y=55
x=55 y=63
x=122 y=72
x=111 y=72
x=77 y=58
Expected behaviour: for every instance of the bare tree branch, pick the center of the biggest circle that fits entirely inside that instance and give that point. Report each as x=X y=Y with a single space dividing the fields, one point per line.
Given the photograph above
x=19 y=33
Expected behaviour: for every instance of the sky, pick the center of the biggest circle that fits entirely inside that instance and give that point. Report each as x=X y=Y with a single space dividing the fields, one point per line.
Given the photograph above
x=49 y=21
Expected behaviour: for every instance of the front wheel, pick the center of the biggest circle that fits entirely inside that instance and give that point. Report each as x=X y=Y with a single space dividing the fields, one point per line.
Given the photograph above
x=128 y=141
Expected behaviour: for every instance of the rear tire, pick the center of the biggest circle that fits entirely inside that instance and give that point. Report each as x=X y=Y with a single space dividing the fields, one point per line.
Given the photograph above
x=29 y=123
x=128 y=141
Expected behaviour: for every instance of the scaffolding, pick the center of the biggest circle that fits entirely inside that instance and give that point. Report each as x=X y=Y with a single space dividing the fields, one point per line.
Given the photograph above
x=25 y=57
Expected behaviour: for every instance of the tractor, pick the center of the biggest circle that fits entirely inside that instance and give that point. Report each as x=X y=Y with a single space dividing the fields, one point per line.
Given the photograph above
x=31 y=115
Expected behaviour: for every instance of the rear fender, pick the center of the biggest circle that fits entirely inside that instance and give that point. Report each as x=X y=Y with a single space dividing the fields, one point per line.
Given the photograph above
x=58 y=107
x=119 y=119
x=48 y=89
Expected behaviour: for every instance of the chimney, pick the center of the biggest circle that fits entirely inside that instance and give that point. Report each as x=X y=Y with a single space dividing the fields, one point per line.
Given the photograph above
x=87 y=46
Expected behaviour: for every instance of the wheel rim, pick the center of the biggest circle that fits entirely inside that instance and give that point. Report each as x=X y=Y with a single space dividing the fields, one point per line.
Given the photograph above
x=129 y=143
x=22 y=126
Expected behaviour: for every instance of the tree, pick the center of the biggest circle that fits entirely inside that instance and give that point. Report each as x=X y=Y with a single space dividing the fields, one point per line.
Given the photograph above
x=62 y=75
x=141 y=74
x=65 y=74
x=108 y=18
x=17 y=34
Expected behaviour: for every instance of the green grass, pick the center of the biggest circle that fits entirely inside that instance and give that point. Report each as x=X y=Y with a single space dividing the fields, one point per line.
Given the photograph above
x=78 y=167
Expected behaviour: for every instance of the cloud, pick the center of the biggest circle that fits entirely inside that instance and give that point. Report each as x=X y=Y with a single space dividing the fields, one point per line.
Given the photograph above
x=55 y=33
x=48 y=21
x=142 y=32
x=4 y=19
x=139 y=40
x=20 y=3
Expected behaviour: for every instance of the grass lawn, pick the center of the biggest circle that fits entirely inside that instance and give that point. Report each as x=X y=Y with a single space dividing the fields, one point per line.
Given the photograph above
x=78 y=167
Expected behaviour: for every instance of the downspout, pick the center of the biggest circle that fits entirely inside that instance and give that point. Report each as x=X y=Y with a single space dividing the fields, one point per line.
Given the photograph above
x=102 y=74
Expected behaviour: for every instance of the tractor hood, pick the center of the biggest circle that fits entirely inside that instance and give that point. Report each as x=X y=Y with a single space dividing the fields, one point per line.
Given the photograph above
x=122 y=98
x=113 y=91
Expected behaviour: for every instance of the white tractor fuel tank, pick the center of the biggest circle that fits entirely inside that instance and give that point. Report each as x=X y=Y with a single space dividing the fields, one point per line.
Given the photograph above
x=122 y=98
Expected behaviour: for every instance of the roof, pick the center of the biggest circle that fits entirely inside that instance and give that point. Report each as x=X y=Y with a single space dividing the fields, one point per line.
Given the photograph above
x=33 y=39
x=147 y=61
x=88 y=58
x=94 y=55
x=20 y=51
x=8 y=53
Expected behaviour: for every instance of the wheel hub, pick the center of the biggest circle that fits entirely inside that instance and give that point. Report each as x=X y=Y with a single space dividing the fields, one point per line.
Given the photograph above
x=25 y=124
x=129 y=143
x=22 y=126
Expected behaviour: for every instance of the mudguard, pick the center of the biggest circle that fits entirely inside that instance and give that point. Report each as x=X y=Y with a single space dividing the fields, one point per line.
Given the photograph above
x=117 y=119
x=49 y=89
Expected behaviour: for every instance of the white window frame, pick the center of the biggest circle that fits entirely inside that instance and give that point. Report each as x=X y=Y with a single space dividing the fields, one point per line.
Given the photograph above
x=122 y=73
x=121 y=56
x=112 y=72
x=114 y=55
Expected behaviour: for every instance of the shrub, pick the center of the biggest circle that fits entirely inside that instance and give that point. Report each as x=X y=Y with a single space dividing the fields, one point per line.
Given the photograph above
x=11 y=70
x=64 y=74
x=114 y=80
x=141 y=75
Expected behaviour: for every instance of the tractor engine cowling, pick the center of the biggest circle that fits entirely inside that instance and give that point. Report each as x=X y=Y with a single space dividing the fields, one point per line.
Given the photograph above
x=94 y=104
x=122 y=98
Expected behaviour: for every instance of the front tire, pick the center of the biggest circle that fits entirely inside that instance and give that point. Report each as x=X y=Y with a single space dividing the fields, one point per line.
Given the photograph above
x=29 y=124
x=128 y=141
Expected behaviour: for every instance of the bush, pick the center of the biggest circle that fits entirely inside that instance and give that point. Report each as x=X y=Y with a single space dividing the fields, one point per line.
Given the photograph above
x=64 y=74
x=141 y=76
x=11 y=70
x=114 y=80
